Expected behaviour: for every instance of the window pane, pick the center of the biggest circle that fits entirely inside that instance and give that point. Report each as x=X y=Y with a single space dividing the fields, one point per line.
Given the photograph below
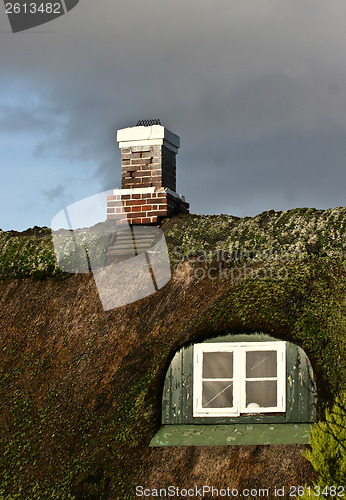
x=217 y=394
x=217 y=365
x=261 y=394
x=261 y=364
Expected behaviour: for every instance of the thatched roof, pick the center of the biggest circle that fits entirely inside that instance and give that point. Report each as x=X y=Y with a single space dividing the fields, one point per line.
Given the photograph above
x=80 y=387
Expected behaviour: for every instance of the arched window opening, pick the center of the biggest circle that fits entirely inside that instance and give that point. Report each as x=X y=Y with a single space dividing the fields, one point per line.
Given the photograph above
x=242 y=380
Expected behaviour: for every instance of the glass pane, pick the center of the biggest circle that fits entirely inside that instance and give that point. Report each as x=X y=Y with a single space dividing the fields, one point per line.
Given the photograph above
x=261 y=394
x=217 y=365
x=261 y=364
x=217 y=394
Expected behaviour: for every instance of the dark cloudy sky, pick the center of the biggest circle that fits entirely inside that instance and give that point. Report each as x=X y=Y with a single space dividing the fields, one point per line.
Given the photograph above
x=256 y=90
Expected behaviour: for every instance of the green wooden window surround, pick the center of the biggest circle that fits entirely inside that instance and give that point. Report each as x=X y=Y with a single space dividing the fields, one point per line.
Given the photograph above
x=291 y=375
x=236 y=434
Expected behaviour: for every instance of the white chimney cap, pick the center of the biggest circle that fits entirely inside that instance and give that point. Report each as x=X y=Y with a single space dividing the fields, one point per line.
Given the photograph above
x=154 y=135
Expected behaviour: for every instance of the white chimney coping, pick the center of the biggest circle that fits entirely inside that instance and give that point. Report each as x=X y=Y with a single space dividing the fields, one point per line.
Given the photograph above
x=147 y=136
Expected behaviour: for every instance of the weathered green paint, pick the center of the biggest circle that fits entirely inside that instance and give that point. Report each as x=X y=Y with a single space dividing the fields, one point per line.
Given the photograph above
x=291 y=383
x=166 y=398
x=177 y=391
x=306 y=388
x=175 y=394
x=269 y=418
x=300 y=386
x=240 y=434
x=187 y=387
x=177 y=400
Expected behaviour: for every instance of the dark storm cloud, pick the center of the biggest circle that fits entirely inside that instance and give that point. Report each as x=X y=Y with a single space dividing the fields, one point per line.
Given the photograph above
x=256 y=92
x=56 y=193
x=278 y=172
x=18 y=119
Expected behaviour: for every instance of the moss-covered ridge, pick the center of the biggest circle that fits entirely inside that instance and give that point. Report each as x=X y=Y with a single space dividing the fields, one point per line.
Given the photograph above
x=300 y=231
x=80 y=388
x=27 y=254
x=268 y=236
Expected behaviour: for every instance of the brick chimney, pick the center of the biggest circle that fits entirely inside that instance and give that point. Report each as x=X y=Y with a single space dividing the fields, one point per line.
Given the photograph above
x=148 y=175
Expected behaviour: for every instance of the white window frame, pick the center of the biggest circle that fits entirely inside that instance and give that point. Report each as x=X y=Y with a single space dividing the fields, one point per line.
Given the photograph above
x=239 y=350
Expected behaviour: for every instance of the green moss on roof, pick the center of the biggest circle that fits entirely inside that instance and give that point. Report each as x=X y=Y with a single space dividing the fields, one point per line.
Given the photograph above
x=300 y=232
x=27 y=254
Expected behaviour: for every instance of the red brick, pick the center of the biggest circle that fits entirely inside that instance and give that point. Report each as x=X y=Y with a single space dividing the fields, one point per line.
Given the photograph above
x=138 y=161
x=135 y=202
x=157 y=200
x=142 y=173
x=136 y=196
x=134 y=180
x=136 y=214
x=159 y=213
x=129 y=184
x=156 y=168
x=125 y=196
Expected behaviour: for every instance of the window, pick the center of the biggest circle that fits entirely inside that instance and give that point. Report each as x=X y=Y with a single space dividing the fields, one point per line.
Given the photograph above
x=234 y=378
